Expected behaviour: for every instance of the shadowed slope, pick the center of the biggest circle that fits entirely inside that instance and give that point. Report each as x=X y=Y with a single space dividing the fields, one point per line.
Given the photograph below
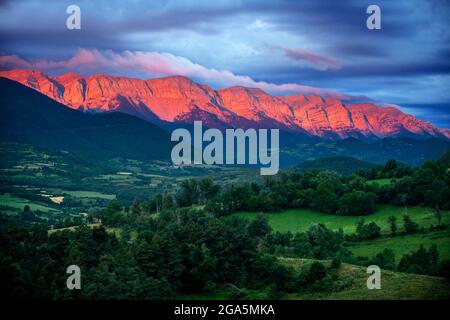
x=28 y=116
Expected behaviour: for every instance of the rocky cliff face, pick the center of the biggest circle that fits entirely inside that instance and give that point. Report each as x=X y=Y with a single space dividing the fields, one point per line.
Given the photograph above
x=179 y=99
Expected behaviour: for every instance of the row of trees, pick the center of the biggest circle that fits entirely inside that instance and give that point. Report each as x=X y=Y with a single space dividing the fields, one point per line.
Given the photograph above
x=370 y=231
x=328 y=192
x=392 y=169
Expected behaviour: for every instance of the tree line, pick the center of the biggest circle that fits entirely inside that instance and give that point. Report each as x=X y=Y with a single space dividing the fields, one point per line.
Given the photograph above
x=323 y=191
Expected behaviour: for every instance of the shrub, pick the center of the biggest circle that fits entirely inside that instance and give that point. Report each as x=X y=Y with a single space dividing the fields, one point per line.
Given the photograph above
x=421 y=261
x=409 y=225
x=367 y=231
x=357 y=203
x=384 y=259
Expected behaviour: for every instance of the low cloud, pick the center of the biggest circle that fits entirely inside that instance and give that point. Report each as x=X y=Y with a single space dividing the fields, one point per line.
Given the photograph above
x=316 y=60
x=13 y=61
x=311 y=59
x=154 y=64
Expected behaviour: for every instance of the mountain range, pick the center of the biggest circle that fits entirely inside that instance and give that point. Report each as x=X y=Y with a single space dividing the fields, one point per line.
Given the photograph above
x=179 y=100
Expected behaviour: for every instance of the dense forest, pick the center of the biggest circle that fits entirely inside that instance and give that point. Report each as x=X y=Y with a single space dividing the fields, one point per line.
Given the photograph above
x=188 y=242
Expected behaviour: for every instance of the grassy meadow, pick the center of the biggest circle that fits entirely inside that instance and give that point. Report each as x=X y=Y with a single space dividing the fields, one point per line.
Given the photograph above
x=89 y=194
x=19 y=203
x=299 y=220
x=404 y=243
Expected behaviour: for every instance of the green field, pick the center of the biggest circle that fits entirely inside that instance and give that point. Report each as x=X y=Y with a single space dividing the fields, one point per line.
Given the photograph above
x=381 y=182
x=118 y=178
x=19 y=203
x=116 y=231
x=90 y=194
x=299 y=220
x=92 y=225
x=403 y=244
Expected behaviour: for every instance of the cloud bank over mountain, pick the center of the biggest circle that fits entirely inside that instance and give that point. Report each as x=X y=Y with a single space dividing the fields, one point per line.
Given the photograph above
x=157 y=64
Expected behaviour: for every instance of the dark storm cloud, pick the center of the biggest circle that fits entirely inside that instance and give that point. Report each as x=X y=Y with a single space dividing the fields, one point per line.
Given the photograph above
x=436 y=113
x=338 y=18
x=352 y=49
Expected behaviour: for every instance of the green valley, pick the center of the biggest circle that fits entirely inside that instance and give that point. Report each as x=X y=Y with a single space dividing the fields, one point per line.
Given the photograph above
x=203 y=232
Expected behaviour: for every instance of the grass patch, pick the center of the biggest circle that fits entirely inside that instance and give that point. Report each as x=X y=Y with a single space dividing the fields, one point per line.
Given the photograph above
x=118 y=232
x=90 y=194
x=19 y=203
x=92 y=226
x=404 y=244
x=381 y=182
x=118 y=178
x=299 y=220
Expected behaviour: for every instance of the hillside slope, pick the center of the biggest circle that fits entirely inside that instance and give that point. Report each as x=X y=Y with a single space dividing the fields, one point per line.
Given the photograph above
x=394 y=285
x=343 y=165
x=27 y=116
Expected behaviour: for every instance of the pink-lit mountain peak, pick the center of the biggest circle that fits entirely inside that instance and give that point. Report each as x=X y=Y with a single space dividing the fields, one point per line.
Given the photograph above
x=178 y=98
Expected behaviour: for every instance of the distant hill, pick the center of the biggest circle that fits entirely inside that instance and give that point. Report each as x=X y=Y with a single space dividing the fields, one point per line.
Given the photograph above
x=407 y=150
x=27 y=116
x=342 y=165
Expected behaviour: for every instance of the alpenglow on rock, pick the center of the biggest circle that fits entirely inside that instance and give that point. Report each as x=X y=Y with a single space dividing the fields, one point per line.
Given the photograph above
x=179 y=99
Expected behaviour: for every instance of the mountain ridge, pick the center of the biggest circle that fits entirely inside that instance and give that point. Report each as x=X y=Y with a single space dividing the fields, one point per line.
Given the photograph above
x=178 y=99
